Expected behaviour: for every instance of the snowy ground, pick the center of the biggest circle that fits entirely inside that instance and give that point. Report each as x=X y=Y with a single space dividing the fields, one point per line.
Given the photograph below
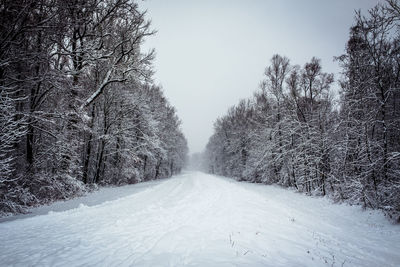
x=201 y=220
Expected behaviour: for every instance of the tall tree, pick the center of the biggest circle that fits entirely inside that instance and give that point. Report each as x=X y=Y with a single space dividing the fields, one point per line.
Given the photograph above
x=370 y=115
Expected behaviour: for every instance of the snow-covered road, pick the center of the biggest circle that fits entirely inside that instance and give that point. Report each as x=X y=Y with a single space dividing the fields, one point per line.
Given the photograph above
x=197 y=219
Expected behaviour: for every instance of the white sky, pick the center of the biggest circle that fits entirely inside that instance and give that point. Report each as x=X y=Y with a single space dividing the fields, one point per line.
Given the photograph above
x=212 y=53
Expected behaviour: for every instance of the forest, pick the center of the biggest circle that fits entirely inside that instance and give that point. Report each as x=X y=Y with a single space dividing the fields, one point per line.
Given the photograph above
x=78 y=106
x=296 y=132
x=94 y=165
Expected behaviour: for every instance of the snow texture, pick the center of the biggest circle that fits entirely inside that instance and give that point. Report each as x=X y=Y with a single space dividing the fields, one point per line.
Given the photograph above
x=197 y=219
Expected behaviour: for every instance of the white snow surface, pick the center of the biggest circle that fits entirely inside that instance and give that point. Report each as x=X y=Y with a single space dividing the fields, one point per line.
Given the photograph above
x=196 y=219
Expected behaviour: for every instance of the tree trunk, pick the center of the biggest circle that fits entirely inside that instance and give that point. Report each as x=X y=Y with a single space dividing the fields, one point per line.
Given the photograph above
x=88 y=148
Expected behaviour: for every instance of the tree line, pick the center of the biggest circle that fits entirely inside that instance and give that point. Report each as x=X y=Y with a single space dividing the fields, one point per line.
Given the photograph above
x=295 y=133
x=77 y=103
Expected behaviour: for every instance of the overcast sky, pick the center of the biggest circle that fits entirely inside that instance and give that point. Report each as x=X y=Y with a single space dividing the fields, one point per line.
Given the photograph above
x=212 y=53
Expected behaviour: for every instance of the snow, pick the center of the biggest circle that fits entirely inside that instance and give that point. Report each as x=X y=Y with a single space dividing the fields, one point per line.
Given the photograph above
x=196 y=219
x=95 y=198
